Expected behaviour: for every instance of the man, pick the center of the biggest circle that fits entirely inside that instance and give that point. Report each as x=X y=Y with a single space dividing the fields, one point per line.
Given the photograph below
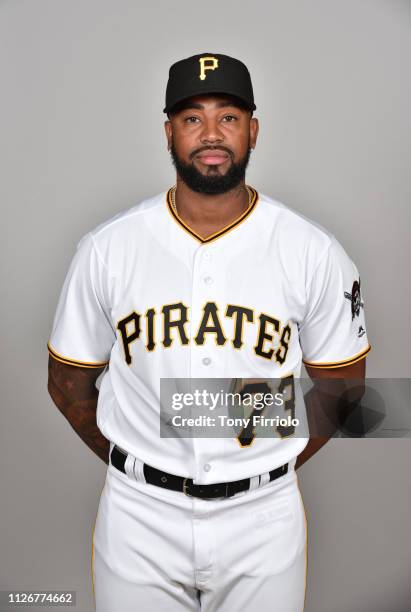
x=210 y=280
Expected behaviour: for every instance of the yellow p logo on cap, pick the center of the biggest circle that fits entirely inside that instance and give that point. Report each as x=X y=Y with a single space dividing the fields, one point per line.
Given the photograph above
x=207 y=63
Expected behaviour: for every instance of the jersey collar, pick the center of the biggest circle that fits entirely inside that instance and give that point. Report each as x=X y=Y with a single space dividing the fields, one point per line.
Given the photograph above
x=221 y=232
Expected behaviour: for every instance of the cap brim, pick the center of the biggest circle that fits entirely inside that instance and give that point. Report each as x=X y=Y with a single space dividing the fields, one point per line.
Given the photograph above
x=168 y=108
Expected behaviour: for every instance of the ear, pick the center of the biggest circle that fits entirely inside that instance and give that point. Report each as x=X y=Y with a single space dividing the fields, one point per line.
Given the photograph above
x=169 y=133
x=254 y=127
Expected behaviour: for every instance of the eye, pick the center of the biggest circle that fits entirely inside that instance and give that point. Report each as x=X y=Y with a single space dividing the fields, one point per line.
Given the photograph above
x=229 y=118
x=191 y=119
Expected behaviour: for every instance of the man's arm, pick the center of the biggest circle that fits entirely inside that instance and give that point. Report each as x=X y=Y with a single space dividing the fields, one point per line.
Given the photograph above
x=322 y=402
x=73 y=390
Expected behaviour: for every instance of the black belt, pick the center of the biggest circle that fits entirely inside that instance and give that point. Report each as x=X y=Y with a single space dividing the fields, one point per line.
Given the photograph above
x=186 y=485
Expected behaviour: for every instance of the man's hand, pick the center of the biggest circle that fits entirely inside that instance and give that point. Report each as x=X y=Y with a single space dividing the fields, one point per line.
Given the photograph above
x=73 y=390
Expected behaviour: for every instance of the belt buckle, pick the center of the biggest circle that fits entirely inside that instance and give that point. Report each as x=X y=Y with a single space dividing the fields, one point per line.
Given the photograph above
x=185 y=487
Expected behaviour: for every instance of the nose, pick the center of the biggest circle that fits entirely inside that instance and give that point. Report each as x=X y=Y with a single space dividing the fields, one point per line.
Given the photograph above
x=211 y=133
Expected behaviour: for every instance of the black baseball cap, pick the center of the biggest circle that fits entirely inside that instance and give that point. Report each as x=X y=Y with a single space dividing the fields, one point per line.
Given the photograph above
x=209 y=73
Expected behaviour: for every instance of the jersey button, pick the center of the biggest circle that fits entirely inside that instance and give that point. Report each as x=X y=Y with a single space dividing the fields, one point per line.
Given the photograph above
x=207 y=467
x=206 y=361
x=207 y=256
x=208 y=280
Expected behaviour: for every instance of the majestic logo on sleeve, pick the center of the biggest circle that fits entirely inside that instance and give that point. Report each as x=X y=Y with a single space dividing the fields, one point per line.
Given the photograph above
x=355 y=299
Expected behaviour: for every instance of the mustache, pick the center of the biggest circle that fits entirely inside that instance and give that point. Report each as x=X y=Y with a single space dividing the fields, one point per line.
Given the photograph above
x=208 y=148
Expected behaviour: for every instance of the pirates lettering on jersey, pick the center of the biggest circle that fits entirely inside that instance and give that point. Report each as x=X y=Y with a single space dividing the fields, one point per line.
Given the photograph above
x=128 y=337
x=264 y=335
x=150 y=318
x=210 y=324
x=239 y=313
x=169 y=323
x=281 y=353
x=272 y=337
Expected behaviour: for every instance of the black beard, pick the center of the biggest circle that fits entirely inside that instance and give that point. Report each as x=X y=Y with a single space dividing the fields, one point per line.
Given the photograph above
x=212 y=184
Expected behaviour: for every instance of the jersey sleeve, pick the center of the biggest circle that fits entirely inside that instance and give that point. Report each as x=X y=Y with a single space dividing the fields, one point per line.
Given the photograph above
x=333 y=332
x=82 y=333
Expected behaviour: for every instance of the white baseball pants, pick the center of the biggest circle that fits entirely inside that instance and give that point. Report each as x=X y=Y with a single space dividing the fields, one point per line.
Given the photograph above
x=160 y=551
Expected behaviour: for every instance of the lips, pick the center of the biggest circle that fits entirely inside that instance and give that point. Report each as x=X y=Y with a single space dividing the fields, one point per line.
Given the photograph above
x=212 y=157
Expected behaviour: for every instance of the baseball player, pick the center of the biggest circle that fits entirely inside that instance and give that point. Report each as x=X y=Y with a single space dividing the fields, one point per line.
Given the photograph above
x=209 y=280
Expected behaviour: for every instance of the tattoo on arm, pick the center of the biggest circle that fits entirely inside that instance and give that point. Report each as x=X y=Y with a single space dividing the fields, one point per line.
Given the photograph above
x=73 y=390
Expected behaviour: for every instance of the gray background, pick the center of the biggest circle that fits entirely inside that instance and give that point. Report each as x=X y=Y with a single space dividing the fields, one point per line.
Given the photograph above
x=82 y=88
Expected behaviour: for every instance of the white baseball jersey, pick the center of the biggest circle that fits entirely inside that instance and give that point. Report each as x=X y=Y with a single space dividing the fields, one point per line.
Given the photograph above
x=151 y=299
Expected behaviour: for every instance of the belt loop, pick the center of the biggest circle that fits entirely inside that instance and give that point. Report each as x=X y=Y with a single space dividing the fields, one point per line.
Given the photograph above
x=264 y=479
x=129 y=466
x=292 y=463
x=134 y=468
x=254 y=483
x=138 y=468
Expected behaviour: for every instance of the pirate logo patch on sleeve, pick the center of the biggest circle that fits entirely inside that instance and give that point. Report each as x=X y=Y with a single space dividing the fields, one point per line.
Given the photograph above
x=355 y=299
